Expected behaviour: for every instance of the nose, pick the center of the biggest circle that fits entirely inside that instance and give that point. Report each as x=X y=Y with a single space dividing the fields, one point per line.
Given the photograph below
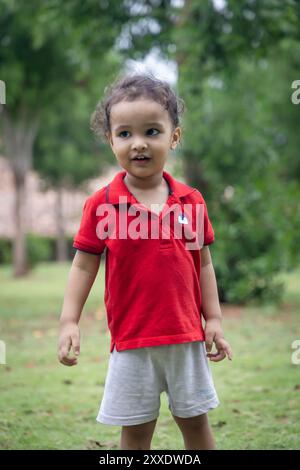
x=139 y=144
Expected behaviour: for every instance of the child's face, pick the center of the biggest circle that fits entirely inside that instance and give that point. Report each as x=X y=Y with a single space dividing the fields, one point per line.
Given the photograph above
x=146 y=129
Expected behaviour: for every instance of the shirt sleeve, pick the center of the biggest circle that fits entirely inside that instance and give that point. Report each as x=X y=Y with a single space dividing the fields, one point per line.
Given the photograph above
x=86 y=238
x=207 y=231
x=209 y=235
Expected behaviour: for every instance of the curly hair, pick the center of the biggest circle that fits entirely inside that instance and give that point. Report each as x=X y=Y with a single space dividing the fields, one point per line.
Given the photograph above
x=129 y=87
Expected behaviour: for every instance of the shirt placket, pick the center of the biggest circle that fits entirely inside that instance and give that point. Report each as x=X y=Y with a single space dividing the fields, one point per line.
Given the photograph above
x=166 y=241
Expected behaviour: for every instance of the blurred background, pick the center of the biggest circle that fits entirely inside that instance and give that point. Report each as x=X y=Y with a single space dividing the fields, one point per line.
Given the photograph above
x=236 y=64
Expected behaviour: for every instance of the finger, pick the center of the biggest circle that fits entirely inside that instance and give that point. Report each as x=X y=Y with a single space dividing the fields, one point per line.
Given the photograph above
x=64 y=359
x=64 y=346
x=221 y=343
x=219 y=356
x=76 y=345
x=226 y=347
x=213 y=354
x=228 y=352
x=64 y=352
x=69 y=361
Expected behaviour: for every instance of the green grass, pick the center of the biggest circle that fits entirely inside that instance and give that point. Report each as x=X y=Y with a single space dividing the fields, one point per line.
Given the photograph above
x=45 y=405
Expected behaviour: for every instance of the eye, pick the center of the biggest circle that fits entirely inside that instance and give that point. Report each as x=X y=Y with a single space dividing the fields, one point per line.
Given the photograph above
x=121 y=134
x=153 y=129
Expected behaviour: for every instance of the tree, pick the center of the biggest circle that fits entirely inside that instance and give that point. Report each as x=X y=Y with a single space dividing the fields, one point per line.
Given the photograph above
x=46 y=47
x=234 y=157
x=65 y=152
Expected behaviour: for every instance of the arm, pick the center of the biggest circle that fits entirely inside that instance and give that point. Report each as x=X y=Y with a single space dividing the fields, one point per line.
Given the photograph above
x=81 y=278
x=211 y=310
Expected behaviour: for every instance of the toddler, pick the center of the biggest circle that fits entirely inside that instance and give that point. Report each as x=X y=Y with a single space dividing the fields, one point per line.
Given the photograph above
x=159 y=278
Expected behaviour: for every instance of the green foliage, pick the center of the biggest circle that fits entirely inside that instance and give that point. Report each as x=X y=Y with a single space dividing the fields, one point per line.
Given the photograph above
x=40 y=249
x=5 y=251
x=55 y=58
x=33 y=63
x=66 y=153
x=240 y=138
x=46 y=47
x=254 y=218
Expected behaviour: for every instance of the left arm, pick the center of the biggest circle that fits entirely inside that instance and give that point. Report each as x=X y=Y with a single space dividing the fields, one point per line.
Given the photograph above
x=211 y=310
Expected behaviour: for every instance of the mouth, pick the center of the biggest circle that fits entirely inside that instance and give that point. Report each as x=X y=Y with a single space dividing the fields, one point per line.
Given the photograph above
x=141 y=158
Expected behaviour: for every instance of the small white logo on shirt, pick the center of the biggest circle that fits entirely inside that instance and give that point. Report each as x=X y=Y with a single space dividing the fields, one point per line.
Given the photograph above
x=182 y=219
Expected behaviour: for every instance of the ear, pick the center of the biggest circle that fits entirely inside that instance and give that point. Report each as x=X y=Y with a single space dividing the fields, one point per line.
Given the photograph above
x=176 y=138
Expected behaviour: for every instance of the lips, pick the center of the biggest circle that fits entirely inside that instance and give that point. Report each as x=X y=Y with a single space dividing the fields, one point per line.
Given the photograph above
x=141 y=158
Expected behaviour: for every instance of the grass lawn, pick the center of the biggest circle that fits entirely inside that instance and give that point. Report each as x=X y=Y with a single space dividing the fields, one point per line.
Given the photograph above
x=45 y=405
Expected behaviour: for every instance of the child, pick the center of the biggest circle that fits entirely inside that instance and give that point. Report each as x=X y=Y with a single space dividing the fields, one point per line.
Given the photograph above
x=154 y=293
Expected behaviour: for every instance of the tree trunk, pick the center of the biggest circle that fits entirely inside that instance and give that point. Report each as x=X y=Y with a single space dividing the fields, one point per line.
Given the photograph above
x=19 y=134
x=61 y=240
x=19 y=244
x=191 y=163
x=194 y=174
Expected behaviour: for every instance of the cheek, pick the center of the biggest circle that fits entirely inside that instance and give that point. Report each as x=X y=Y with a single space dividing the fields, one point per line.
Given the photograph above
x=157 y=146
x=120 y=148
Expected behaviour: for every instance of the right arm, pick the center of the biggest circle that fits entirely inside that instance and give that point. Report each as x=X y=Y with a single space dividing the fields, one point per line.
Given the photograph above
x=81 y=278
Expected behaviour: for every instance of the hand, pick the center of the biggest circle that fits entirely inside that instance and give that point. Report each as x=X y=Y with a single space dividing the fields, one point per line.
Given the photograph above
x=214 y=334
x=69 y=336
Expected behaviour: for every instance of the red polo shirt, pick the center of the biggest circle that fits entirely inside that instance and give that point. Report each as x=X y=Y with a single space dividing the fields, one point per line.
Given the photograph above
x=152 y=283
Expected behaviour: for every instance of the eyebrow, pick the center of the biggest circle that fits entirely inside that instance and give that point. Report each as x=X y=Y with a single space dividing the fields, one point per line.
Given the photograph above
x=146 y=125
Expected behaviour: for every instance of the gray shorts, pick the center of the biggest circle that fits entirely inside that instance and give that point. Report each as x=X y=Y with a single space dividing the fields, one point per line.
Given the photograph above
x=136 y=378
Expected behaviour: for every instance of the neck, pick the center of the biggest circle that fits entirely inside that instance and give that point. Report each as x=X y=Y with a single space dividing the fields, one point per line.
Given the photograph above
x=152 y=182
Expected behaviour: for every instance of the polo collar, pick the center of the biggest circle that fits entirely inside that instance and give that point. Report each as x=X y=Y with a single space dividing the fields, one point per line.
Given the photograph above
x=117 y=188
